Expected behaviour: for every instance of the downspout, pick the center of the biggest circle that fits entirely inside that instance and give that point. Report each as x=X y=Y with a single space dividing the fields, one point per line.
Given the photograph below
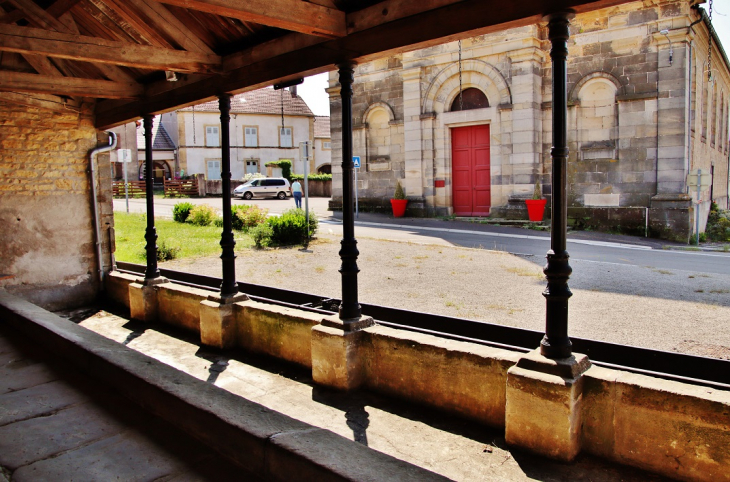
x=97 y=229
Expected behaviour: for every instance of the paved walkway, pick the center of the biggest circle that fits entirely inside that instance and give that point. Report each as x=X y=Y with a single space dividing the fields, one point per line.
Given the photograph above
x=56 y=425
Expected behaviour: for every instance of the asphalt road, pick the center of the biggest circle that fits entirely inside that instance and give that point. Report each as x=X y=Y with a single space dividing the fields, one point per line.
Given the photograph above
x=533 y=245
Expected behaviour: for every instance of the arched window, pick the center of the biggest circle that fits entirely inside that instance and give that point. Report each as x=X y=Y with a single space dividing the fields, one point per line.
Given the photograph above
x=472 y=99
x=324 y=169
x=378 y=136
x=597 y=115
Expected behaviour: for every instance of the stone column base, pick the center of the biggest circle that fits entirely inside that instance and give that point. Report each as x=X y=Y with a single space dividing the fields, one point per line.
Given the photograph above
x=217 y=323
x=143 y=299
x=337 y=358
x=544 y=397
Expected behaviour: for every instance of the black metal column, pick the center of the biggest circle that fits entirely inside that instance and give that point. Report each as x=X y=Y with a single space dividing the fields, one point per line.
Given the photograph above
x=350 y=308
x=150 y=234
x=229 y=287
x=556 y=343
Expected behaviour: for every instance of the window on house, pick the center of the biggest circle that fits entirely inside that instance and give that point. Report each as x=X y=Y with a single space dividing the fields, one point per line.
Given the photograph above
x=252 y=166
x=212 y=136
x=326 y=145
x=713 y=125
x=285 y=137
x=214 y=170
x=251 y=136
x=703 y=111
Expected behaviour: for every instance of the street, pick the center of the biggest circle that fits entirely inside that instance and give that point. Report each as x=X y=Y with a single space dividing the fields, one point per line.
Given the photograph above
x=533 y=245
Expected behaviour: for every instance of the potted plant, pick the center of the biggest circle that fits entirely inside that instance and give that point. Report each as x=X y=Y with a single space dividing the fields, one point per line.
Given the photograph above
x=399 y=201
x=536 y=205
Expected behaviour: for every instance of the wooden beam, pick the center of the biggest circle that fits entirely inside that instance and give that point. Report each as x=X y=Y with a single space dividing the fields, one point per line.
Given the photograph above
x=132 y=25
x=291 y=55
x=160 y=18
x=294 y=15
x=60 y=7
x=13 y=16
x=39 y=16
x=91 y=49
x=42 y=101
x=43 y=84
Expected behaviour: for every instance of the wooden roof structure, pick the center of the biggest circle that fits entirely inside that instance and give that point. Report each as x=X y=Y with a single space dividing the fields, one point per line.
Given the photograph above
x=116 y=56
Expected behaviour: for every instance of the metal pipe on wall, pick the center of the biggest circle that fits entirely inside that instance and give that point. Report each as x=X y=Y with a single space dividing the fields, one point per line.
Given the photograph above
x=95 y=211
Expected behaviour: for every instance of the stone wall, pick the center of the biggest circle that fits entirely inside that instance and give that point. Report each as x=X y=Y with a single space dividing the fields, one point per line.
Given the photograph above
x=47 y=242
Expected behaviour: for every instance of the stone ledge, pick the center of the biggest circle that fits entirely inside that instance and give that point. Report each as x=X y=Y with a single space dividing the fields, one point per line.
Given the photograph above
x=247 y=433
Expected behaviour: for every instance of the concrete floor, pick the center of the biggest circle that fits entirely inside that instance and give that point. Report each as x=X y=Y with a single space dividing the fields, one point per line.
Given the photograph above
x=56 y=425
x=455 y=448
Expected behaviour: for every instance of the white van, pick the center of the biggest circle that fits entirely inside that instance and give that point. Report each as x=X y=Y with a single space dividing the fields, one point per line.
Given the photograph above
x=264 y=187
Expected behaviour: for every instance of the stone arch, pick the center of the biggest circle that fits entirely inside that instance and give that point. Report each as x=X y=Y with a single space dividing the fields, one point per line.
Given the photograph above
x=375 y=106
x=475 y=74
x=574 y=94
x=325 y=168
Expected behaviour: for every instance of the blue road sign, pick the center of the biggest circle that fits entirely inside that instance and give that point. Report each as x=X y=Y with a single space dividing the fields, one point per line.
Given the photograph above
x=356 y=161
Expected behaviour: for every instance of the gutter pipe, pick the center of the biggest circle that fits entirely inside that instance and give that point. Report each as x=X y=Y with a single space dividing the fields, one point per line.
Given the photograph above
x=95 y=212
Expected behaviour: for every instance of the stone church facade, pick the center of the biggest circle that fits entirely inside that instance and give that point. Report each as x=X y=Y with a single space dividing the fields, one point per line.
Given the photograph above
x=466 y=128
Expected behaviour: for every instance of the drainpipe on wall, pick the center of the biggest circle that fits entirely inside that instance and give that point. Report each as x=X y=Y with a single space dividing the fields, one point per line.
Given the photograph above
x=95 y=212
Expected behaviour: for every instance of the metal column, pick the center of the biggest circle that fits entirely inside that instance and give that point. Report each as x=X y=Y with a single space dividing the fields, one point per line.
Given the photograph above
x=150 y=235
x=229 y=287
x=556 y=343
x=349 y=308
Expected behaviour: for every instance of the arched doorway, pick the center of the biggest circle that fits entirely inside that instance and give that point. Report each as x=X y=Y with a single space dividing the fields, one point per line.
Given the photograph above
x=324 y=169
x=160 y=172
x=470 y=164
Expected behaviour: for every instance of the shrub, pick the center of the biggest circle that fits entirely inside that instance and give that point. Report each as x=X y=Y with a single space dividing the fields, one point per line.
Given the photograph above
x=291 y=227
x=285 y=166
x=312 y=177
x=251 y=217
x=235 y=219
x=181 y=211
x=261 y=235
x=399 y=192
x=218 y=222
x=165 y=252
x=718 y=225
x=202 y=215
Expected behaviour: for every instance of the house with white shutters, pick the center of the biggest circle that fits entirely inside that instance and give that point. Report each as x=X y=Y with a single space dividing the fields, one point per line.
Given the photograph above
x=266 y=125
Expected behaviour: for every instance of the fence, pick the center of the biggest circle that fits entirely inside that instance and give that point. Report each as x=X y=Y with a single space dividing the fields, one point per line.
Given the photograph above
x=135 y=188
x=177 y=188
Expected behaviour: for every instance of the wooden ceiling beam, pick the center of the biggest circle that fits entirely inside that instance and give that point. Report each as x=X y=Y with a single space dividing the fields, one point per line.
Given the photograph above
x=294 y=15
x=292 y=55
x=27 y=40
x=59 y=7
x=68 y=86
x=39 y=16
x=160 y=18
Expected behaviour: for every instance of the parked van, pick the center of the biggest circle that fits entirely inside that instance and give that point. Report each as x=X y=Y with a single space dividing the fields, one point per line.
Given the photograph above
x=264 y=187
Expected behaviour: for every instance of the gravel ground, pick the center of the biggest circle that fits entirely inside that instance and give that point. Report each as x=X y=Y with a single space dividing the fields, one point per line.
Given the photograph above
x=643 y=306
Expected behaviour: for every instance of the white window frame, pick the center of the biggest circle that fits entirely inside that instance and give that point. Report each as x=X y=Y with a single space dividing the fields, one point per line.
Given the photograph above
x=218 y=128
x=245 y=137
x=291 y=135
x=207 y=170
x=326 y=147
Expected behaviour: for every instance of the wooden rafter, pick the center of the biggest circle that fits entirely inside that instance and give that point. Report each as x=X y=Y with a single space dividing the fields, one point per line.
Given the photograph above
x=43 y=84
x=91 y=49
x=294 y=15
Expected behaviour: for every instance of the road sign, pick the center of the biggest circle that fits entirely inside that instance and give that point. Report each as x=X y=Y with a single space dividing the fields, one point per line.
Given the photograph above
x=124 y=155
x=700 y=177
x=356 y=161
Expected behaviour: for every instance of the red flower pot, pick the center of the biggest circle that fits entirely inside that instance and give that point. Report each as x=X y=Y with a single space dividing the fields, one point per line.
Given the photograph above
x=399 y=207
x=535 y=209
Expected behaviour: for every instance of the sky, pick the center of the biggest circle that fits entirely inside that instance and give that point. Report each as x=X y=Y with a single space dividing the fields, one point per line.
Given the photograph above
x=312 y=90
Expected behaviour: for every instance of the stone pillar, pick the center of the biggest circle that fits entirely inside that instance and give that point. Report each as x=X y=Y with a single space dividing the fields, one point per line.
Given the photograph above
x=413 y=134
x=526 y=116
x=543 y=412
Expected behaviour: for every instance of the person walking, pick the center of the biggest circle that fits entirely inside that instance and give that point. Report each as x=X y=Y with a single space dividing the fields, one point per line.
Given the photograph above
x=296 y=190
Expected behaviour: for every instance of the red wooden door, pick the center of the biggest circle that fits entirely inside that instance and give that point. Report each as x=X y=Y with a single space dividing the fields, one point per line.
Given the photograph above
x=471 y=173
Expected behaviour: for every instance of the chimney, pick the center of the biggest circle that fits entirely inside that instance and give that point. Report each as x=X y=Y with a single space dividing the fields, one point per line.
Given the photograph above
x=293 y=90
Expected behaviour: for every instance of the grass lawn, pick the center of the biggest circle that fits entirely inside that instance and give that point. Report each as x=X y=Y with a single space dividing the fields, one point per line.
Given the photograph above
x=192 y=240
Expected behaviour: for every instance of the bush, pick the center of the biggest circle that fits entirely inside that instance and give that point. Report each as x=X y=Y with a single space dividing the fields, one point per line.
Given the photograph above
x=165 y=252
x=285 y=166
x=312 y=177
x=718 y=225
x=291 y=227
x=218 y=222
x=181 y=211
x=261 y=235
x=251 y=217
x=203 y=215
x=235 y=219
